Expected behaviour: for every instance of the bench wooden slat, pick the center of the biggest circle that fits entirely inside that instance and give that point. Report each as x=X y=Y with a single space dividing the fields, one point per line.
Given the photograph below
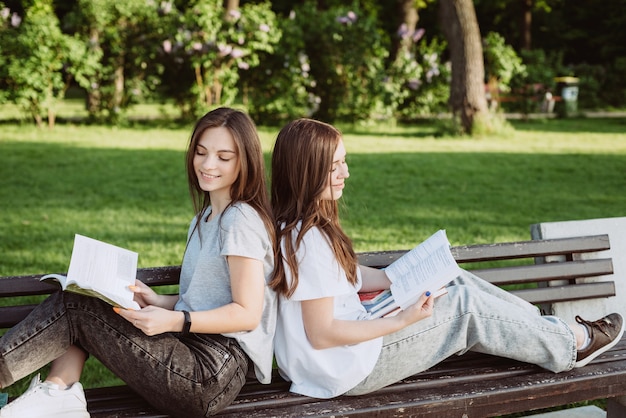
x=30 y=285
x=159 y=276
x=546 y=272
x=11 y=315
x=566 y=293
x=24 y=286
x=530 y=249
x=502 y=251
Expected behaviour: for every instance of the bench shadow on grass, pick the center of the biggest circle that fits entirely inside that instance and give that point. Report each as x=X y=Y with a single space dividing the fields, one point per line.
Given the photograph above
x=137 y=193
x=577 y=125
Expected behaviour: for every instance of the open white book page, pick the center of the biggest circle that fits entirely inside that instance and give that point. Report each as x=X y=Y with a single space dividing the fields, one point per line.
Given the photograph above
x=429 y=266
x=101 y=270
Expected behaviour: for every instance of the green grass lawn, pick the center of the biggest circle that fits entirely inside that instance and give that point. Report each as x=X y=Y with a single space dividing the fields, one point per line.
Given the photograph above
x=127 y=186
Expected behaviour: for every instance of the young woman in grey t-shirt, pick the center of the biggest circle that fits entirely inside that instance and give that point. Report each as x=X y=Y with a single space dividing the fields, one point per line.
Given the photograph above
x=187 y=354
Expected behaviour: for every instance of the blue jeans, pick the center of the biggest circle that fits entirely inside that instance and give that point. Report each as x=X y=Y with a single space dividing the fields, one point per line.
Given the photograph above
x=187 y=376
x=474 y=316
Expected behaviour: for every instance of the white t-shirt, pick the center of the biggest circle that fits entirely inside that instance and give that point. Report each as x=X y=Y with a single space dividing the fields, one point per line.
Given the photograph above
x=328 y=372
x=205 y=276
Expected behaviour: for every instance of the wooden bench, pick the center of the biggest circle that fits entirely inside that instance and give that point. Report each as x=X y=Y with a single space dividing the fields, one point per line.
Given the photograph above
x=472 y=385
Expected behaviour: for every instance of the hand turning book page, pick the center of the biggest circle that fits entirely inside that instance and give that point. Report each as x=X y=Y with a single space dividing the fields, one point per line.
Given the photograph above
x=429 y=266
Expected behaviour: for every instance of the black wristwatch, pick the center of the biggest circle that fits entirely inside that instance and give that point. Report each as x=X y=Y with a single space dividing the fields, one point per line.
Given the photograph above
x=187 y=324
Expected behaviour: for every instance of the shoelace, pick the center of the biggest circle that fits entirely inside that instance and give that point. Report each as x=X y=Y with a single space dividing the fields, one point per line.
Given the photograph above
x=601 y=325
x=29 y=392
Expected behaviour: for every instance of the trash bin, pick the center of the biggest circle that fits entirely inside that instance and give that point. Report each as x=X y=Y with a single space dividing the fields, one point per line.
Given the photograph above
x=567 y=88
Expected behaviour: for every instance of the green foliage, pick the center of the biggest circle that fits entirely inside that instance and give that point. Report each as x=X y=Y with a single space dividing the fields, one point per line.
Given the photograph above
x=420 y=81
x=288 y=69
x=531 y=86
x=217 y=47
x=501 y=61
x=601 y=85
x=34 y=53
x=347 y=54
x=614 y=89
x=121 y=38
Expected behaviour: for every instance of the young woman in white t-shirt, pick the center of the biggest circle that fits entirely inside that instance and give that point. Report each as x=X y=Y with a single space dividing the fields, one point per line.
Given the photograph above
x=327 y=345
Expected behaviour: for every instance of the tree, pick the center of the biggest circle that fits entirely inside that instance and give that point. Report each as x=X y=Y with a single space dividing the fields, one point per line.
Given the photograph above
x=123 y=34
x=38 y=61
x=467 y=88
x=214 y=44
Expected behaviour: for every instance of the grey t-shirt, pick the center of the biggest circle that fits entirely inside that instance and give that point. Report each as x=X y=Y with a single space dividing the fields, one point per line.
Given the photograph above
x=205 y=278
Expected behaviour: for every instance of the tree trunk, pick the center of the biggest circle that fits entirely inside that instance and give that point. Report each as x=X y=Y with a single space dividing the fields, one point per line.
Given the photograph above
x=409 y=17
x=527 y=17
x=229 y=6
x=467 y=88
x=118 y=84
x=94 y=93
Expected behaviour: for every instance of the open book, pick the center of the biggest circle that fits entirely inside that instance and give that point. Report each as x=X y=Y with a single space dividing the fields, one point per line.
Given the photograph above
x=100 y=270
x=427 y=267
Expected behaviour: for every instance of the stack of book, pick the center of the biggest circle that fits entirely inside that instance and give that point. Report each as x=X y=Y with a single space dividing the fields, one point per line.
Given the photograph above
x=379 y=303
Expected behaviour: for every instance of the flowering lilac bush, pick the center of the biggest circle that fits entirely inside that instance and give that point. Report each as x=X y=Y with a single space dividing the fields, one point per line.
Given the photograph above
x=214 y=47
x=38 y=61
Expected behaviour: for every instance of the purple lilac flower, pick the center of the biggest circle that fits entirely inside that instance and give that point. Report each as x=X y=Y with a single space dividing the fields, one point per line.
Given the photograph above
x=166 y=7
x=237 y=53
x=264 y=28
x=236 y=14
x=243 y=65
x=349 y=18
x=432 y=72
x=167 y=46
x=417 y=35
x=197 y=46
x=414 y=84
x=5 y=13
x=292 y=15
x=15 y=20
x=403 y=31
x=224 y=50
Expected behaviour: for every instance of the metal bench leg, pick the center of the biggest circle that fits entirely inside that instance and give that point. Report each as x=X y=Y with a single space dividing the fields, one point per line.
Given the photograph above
x=616 y=407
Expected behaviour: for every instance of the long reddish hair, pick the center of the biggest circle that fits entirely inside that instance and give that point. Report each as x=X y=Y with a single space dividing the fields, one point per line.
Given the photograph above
x=301 y=164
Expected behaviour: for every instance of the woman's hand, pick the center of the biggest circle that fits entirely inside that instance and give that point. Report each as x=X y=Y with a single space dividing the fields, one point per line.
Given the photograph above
x=324 y=331
x=145 y=296
x=153 y=320
x=421 y=309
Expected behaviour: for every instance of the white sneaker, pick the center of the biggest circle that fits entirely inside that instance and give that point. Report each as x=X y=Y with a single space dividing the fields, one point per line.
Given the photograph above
x=45 y=399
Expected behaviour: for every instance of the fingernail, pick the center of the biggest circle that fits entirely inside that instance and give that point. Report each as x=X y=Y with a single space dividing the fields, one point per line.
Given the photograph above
x=428 y=293
x=132 y=287
x=116 y=309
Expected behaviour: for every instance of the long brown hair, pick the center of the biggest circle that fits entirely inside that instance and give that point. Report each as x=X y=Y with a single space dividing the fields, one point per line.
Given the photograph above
x=301 y=163
x=251 y=184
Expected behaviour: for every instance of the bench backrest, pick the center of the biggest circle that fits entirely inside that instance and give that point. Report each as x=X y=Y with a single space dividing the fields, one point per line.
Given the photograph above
x=518 y=266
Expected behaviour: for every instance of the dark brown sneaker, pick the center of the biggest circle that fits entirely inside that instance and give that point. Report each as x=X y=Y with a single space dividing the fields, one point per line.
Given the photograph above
x=604 y=334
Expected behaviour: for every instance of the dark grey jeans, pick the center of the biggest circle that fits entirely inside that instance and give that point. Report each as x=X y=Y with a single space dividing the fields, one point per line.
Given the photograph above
x=193 y=376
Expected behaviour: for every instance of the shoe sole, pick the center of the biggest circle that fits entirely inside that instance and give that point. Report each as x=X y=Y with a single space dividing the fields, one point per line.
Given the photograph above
x=602 y=350
x=66 y=414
